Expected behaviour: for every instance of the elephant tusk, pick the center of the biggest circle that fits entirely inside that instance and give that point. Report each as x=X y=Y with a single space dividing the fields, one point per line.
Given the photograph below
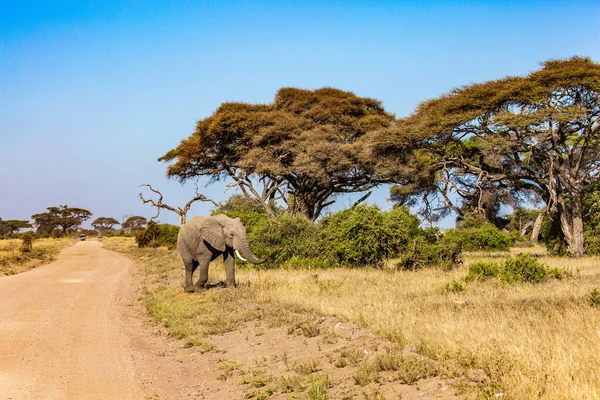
x=240 y=256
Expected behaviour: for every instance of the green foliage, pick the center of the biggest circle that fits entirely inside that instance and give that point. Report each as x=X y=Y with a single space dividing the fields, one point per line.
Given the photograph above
x=479 y=238
x=365 y=235
x=521 y=269
x=481 y=271
x=156 y=235
x=506 y=120
x=594 y=297
x=521 y=217
x=592 y=244
x=249 y=211
x=4 y=228
x=426 y=253
x=285 y=239
x=455 y=286
x=134 y=223
x=590 y=203
x=473 y=221
x=355 y=237
x=12 y=226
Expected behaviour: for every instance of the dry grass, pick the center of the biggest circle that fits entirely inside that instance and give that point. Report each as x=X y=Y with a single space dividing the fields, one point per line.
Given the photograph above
x=533 y=341
x=14 y=261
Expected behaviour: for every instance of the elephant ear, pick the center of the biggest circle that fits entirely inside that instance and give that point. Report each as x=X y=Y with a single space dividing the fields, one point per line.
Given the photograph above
x=212 y=232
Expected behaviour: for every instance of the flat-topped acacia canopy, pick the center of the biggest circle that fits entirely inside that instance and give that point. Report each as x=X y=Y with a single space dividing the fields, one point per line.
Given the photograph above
x=304 y=147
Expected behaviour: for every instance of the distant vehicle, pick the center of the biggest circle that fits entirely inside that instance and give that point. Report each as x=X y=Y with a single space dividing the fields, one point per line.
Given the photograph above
x=82 y=237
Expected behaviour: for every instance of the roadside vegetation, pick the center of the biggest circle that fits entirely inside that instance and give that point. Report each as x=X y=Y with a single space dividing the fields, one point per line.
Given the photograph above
x=522 y=339
x=20 y=255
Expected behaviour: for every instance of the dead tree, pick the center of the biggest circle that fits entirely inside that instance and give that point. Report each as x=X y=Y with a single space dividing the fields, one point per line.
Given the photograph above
x=182 y=212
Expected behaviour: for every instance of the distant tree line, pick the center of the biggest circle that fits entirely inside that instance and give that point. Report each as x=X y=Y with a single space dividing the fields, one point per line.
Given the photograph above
x=60 y=221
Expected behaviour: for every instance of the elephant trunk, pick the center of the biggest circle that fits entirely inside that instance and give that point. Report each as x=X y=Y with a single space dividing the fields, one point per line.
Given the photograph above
x=244 y=250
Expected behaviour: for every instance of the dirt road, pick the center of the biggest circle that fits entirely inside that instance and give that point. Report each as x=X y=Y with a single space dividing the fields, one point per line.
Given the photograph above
x=61 y=329
x=74 y=329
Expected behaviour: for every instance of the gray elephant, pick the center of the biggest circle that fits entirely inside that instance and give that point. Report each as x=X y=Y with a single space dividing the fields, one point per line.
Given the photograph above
x=202 y=239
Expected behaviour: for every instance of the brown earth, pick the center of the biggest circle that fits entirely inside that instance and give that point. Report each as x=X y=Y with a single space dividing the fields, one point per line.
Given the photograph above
x=74 y=329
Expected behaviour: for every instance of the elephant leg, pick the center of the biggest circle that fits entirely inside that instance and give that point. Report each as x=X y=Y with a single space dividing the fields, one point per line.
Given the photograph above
x=203 y=263
x=190 y=267
x=229 y=261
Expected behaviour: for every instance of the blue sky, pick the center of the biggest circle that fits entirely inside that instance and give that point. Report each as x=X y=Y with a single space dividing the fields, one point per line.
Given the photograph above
x=92 y=93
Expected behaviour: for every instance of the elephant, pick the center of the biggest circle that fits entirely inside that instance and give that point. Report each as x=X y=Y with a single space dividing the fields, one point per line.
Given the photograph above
x=203 y=239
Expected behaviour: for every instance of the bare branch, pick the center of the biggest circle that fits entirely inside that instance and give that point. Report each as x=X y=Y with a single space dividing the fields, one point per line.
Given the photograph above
x=182 y=212
x=363 y=198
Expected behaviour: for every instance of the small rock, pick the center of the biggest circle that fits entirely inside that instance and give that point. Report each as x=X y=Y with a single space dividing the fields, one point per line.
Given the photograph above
x=476 y=375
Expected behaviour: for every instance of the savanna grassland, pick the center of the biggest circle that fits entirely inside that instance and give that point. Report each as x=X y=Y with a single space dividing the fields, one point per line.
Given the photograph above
x=530 y=340
x=14 y=260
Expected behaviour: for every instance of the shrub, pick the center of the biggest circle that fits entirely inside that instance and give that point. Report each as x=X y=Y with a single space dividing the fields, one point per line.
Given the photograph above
x=365 y=235
x=521 y=269
x=286 y=239
x=484 y=238
x=471 y=221
x=27 y=238
x=425 y=254
x=481 y=271
x=592 y=244
x=453 y=287
x=156 y=235
x=247 y=210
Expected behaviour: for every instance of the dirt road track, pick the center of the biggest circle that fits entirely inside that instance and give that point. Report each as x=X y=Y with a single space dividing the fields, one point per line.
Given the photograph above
x=61 y=329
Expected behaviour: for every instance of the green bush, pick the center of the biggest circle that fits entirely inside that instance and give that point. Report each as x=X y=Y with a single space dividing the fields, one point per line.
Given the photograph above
x=471 y=221
x=365 y=235
x=156 y=235
x=427 y=254
x=483 y=238
x=250 y=212
x=481 y=271
x=592 y=244
x=453 y=287
x=286 y=239
x=521 y=269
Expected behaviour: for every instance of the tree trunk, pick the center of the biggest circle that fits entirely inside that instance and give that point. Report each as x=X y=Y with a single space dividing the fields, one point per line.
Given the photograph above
x=182 y=219
x=537 y=226
x=571 y=224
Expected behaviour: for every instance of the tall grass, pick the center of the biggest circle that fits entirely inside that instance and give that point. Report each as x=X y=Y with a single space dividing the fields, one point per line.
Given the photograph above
x=533 y=341
x=14 y=260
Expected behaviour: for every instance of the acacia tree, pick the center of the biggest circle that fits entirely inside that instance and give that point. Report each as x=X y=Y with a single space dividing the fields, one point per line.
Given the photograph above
x=303 y=148
x=104 y=224
x=62 y=217
x=133 y=223
x=537 y=134
x=12 y=226
x=4 y=228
